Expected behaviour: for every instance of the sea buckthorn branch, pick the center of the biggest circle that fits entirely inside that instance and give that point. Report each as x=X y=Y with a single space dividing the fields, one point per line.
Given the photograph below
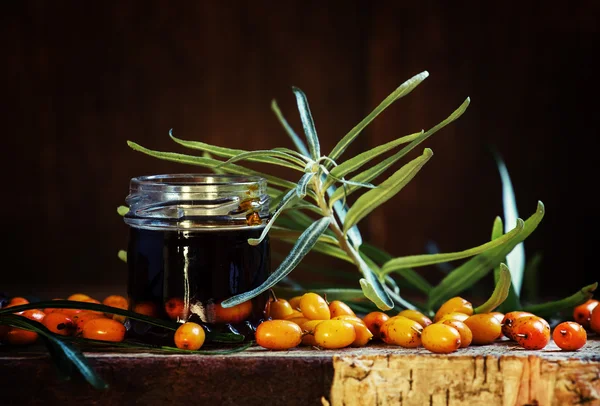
x=328 y=181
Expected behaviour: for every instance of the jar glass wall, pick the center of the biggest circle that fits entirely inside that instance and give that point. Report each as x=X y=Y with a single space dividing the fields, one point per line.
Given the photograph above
x=188 y=250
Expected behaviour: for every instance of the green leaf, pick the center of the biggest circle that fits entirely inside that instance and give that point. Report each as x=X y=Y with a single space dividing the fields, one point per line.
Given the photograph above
x=304 y=244
x=516 y=258
x=359 y=160
x=65 y=356
x=297 y=164
x=289 y=197
x=210 y=163
x=381 y=167
x=531 y=285
x=300 y=146
x=230 y=152
x=122 y=210
x=371 y=285
x=430 y=259
x=550 y=309
x=512 y=301
x=476 y=268
x=500 y=292
x=388 y=189
x=402 y=90
x=302 y=187
x=293 y=235
x=122 y=254
x=307 y=124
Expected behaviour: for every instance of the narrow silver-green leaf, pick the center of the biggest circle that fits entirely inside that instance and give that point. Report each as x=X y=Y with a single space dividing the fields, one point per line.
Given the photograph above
x=413 y=261
x=304 y=244
x=287 y=200
x=516 y=258
x=210 y=163
x=227 y=152
x=359 y=160
x=476 y=268
x=386 y=190
x=402 y=90
x=301 y=188
x=122 y=255
x=300 y=146
x=370 y=284
x=307 y=124
x=296 y=163
x=500 y=292
x=293 y=235
x=376 y=170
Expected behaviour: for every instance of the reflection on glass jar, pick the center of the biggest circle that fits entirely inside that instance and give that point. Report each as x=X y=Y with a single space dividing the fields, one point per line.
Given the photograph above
x=188 y=250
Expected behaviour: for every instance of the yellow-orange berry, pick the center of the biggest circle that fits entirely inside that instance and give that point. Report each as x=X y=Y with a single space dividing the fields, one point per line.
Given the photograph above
x=416 y=316
x=278 y=334
x=103 y=329
x=334 y=334
x=314 y=307
x=455 y=304
x=441 y=338
x=339 y=308
x=402 y=331
x=485 y=328
x=189 y=336
x=374 y=321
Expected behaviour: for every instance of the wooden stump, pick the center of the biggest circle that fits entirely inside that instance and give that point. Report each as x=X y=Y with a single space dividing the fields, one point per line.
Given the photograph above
x=499 y=374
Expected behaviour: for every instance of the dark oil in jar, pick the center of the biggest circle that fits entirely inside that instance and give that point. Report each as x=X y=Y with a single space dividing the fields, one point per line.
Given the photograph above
x=196 y=270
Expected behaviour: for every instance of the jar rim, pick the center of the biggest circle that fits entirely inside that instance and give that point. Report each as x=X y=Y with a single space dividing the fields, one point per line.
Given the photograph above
x=188 y=182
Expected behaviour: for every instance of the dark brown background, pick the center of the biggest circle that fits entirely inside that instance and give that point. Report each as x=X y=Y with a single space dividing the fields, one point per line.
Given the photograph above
x=82 y=78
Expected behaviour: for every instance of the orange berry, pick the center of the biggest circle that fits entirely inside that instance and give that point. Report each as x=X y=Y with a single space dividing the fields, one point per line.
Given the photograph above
x=81 y=318
x=334 y=334
x=500 y=317
x=149 y=309
x=17 y=301
x=455 y=304
x=308 y=327
x=595 y=320
x=103 y=329
x=298 y=320
x=485 y=328
x=59 y=323
x=175 y=309
x=189 y=336
x=509 y=320
x=295 y=302
x=583 y=313
x=416 y=316
x=441 y=338
x=363 y=335
x=531 y=332
x=402 y=331
x=314 y=307
x=453 y=316
x=17 y=336
x=349 y=318
x=339 y=308
x=466 y=335
x=117 y=301
x=280 y=309
x=34 y=314
x=235 y=314
x=278 y=334
x=374 y=321
x=79 y=297
x=569 y=336
x=296 y=314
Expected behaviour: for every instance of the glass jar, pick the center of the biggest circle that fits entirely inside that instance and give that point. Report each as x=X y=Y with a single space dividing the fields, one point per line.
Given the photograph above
x=188 y=250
